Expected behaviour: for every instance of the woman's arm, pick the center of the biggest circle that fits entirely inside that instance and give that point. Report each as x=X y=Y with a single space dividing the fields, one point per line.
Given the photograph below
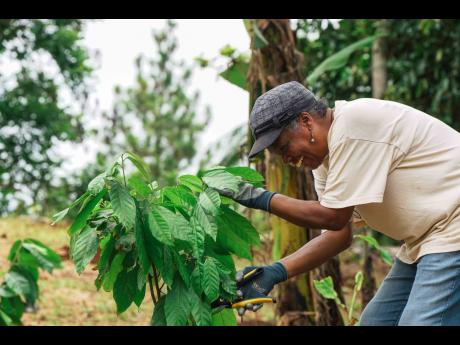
x=310 y=214
x=317 y=251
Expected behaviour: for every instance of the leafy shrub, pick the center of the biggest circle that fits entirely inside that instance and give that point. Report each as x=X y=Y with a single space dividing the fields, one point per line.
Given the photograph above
x=178 y=240
x=19 y=289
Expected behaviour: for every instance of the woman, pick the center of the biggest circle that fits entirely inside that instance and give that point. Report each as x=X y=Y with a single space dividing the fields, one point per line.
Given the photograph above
x=394 y=167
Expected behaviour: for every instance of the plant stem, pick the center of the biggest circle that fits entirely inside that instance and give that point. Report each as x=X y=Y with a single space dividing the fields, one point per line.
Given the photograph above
x=123 y=168
x=151 y=290
x=352 y=304
x=155 y=276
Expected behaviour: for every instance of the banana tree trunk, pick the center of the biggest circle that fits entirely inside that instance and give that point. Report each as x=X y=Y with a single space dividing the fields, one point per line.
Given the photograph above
x=379 y=81
x=273 y=63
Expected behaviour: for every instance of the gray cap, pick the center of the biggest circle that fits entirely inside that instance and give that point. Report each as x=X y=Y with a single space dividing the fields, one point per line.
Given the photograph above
x=274 y=110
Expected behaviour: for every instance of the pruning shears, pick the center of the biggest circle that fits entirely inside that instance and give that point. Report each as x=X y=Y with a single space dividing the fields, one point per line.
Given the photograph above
x=241 y=304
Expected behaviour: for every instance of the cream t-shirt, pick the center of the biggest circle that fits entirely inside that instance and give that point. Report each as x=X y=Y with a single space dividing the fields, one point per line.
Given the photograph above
x=400 y=168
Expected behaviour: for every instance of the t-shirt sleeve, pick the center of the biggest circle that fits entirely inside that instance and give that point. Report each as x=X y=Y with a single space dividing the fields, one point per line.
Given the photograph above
x=358 y=171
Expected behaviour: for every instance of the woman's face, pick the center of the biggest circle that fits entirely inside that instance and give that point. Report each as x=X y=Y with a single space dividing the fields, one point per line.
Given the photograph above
x=294 y=145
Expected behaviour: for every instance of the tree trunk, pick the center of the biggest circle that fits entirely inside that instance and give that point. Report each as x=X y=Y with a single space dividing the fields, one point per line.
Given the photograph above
x=273 y=64
x=379 y=81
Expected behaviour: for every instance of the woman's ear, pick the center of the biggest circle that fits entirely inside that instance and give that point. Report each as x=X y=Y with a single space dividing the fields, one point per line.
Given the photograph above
x=306 y=119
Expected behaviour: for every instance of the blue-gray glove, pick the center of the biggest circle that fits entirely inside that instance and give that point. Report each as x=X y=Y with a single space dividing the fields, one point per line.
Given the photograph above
x=250 y=196
x=261 y=285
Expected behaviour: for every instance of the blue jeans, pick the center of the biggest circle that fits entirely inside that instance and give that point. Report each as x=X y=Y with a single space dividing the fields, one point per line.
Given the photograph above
x=424 y=293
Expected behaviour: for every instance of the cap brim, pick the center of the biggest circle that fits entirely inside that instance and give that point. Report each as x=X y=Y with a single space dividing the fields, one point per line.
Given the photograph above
x=264 y=141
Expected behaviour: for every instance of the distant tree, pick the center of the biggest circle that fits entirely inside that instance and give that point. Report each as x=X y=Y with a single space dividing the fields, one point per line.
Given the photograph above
x=156 y=119
x=43 y=68
x=422 y=62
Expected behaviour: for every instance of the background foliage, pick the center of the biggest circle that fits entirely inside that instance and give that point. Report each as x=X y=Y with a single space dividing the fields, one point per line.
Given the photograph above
x=49 y=61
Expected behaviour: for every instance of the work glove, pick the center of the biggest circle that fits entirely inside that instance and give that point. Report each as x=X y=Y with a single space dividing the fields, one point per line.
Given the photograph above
x=261 y=285
x=250 y=196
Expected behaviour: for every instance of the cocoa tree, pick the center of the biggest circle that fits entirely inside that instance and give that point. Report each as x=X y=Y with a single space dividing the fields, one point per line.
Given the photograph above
x=176 y=241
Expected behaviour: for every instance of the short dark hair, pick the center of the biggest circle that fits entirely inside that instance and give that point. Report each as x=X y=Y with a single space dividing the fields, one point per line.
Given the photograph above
x=318 y=110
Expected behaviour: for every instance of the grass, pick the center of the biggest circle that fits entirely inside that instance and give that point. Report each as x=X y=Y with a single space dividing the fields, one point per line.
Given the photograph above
x=65 y=297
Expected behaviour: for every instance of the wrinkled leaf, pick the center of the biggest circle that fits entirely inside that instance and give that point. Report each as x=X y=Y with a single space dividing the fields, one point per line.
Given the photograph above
x=123 y=204
x=84 y=248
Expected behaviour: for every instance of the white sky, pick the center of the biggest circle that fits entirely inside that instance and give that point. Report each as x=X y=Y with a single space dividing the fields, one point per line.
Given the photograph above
x=121 y=41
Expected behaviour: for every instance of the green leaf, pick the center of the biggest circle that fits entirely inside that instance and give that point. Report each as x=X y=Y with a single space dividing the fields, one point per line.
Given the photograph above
x=385 y=255
x=140 y=187
x=6 y=292
x=210 y=279
x=159 y=317
x=241 y=226
x=115 y=268
x=107 y=252
x=326 y=288
x=225 y=317
x=192 y=182
x=210 y=201
x=154 y=249
x=123 y=204
x=5 y=319
x=160 y=220
x=228 y=285
x=206 y=221
x=369 y=239
x=46 y=258
x=140 y=229
x=14 y=307
x=139 y=297
x=338 y=60
x=97 y=184
x=167 y=268
x=236 y=73
x=177 y=304
x=221 y=180
x=84 y=248
x=28 y=262
x=125 y=289
x=141 y=279
x=59 y=216
x=201 y=310
x=14 y=250
x=180 y=196
x=140 y=165
x=18 y=283
x=21 y=281
x=248 y=174
x=236 y=234
x=80 y=220
x=195 y=280
x=126 y=242
x=182 y=268
x=177 y=224
x=226 y=261
x=197 y=237
x=257 y=38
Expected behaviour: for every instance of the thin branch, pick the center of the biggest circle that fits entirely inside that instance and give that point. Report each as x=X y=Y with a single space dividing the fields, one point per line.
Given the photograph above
x=157 y=286
x=123 y=168
x=151 y=290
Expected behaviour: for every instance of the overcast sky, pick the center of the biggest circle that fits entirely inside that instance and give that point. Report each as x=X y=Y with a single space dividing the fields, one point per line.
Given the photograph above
x=119 y=42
